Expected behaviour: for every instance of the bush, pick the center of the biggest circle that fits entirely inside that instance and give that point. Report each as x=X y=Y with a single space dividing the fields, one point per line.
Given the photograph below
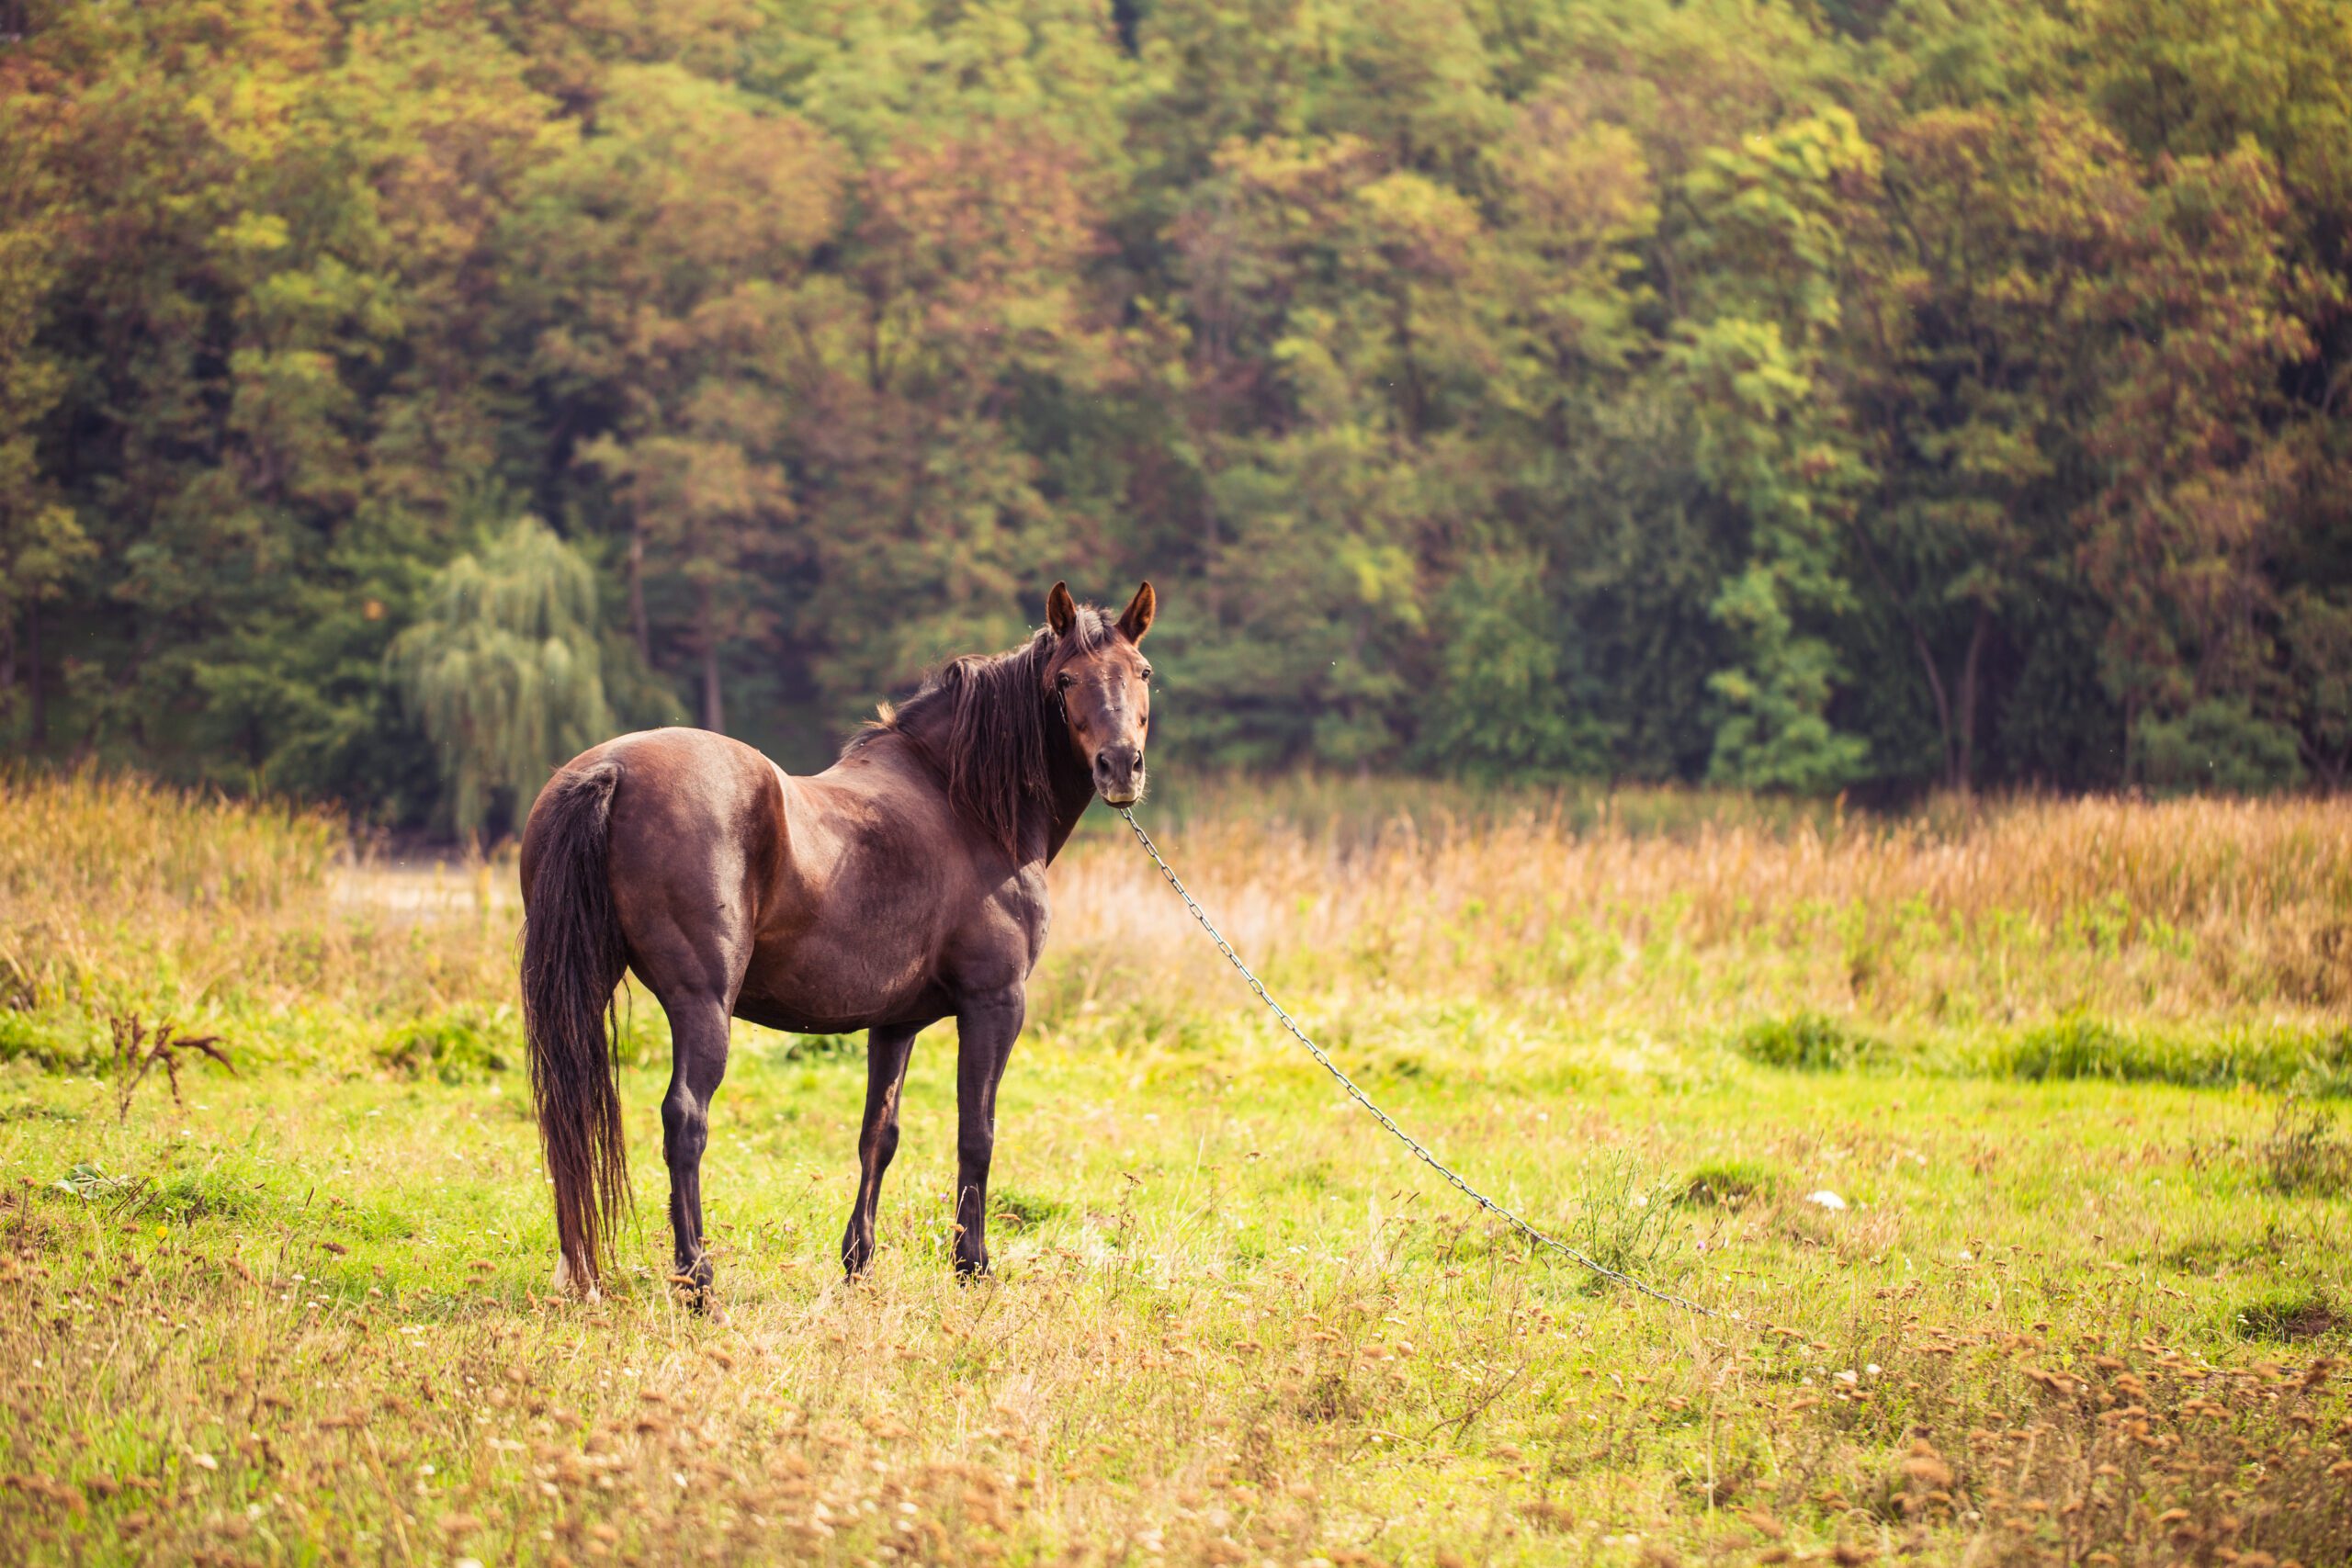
x=1808 y=1041
x=461 y=1043
x=2274 y=1059
x=2304 y=1154
x=1727 y=1183
x=2217 y=746
x=2285 y=1315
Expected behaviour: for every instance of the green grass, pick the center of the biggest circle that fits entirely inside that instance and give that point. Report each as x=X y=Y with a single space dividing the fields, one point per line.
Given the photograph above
x=2079 y=1292
x=1227 y=1310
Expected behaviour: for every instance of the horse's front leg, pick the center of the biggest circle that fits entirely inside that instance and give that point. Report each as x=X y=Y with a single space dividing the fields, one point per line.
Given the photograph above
x=886 y=1051
x=985 y=1029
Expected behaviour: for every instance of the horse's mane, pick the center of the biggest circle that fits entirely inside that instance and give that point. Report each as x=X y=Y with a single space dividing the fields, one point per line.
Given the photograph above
x=996 y=715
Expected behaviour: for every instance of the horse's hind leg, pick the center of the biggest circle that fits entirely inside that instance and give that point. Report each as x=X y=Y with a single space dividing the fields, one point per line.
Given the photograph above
x=887 y=1051
x=697 y=1061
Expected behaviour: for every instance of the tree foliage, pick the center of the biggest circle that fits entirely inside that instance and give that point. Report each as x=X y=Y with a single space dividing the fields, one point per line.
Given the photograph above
x=1807 y=396
x=502 y=671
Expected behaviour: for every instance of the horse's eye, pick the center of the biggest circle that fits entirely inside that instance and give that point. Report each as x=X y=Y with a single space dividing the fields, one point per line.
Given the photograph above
x=1147 y=672
x=1064 y=681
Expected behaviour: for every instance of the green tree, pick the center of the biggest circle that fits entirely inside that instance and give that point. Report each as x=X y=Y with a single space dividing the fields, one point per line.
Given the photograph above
x=1773 y=440
x=502 y=671
x=41 y=541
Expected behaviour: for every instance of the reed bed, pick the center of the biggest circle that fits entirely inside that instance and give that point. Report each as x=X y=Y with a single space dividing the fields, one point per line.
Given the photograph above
x=1420 y=921
x=2002 y=914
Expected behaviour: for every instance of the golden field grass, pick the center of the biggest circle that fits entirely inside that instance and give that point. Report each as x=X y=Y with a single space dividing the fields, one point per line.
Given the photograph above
x=2073 y=1067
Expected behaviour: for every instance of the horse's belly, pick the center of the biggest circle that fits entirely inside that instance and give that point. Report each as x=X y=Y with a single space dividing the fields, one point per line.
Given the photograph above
x=818 y=985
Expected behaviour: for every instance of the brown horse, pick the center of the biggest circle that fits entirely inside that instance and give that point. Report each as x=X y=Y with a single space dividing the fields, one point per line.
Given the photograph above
x=902 y=886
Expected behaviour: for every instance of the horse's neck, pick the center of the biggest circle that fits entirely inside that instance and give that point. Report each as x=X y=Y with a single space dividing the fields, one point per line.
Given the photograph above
x=1073 y=792
x=1045 y=825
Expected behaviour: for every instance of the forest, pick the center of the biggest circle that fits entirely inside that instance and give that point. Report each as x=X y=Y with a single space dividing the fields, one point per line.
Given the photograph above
x=1795 y=395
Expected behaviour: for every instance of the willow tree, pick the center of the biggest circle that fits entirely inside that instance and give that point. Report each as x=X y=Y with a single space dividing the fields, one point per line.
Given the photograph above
x=502 y=669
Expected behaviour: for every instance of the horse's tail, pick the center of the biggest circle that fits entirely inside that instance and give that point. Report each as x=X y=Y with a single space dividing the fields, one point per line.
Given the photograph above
x=573 y=956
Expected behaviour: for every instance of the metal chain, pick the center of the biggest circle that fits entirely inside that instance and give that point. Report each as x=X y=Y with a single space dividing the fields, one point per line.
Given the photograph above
x=1420 y=1151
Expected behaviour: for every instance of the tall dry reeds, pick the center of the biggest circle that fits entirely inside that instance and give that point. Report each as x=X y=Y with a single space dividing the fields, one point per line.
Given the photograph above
x=1996 y=911
x=1393 y=913
x=119 y=896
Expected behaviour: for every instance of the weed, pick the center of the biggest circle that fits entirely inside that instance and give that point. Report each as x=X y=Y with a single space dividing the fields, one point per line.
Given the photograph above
x=1624 y=1220
x=88 y=1182
x=136 y=1055
x=2285 y=1315
x=2305 y=1155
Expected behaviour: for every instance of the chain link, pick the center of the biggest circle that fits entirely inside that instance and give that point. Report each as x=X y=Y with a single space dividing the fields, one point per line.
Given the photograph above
x=1420 y=1151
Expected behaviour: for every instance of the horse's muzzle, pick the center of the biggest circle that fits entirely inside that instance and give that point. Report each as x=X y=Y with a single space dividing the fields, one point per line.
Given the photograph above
x=1118 y=774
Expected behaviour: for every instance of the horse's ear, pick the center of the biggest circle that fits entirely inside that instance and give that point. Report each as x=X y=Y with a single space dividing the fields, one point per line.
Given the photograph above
x=1137 y=619
x=1061 y=610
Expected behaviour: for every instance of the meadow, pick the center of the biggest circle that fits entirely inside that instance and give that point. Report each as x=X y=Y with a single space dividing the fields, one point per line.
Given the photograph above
x=2004 y=1138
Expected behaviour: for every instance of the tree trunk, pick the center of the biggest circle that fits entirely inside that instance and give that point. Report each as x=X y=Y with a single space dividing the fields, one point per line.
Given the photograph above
x=637 y=623
x=1968 y=688
x=714 y=714
x=39 y=732
x=1943 y=703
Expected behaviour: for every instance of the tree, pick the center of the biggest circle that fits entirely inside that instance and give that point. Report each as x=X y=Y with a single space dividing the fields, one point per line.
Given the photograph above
x=667 y=244
x=1773 y=441
x=41 y=541
x=502 y=671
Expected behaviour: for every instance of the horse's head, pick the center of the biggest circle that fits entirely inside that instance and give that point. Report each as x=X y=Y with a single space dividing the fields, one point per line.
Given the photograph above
x=1104 y=684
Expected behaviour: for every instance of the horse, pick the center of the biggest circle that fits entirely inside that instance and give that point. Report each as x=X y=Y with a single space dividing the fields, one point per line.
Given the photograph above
x=902 y=886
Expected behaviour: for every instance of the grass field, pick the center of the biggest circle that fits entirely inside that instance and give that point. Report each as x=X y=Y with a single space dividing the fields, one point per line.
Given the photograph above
x=2073 y=1071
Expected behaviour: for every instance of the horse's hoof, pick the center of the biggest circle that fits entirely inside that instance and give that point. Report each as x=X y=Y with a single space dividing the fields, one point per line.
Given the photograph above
x=567 y=1284
x=694 y=1285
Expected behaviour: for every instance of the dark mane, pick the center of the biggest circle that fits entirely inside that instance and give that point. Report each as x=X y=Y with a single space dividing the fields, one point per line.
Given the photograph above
x=986 y=722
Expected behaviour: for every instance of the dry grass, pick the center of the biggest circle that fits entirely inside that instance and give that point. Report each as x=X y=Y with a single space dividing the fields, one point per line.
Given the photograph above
x=1970 y=928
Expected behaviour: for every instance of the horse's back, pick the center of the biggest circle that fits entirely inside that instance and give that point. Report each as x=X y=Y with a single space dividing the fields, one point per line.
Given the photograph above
x=697 y=834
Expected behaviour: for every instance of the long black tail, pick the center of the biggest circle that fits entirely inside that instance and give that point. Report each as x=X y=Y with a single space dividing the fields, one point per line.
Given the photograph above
x=573 y=956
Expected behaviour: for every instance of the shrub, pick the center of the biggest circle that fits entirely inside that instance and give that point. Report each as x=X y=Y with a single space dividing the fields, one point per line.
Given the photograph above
x=1624 y=1222
x=455 y=1046
x=2284 y=1315
x=1808 y=1041
x=2305 y=1155
x=2221 y=745
x=1727 y=1183
x=2075 y=1046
